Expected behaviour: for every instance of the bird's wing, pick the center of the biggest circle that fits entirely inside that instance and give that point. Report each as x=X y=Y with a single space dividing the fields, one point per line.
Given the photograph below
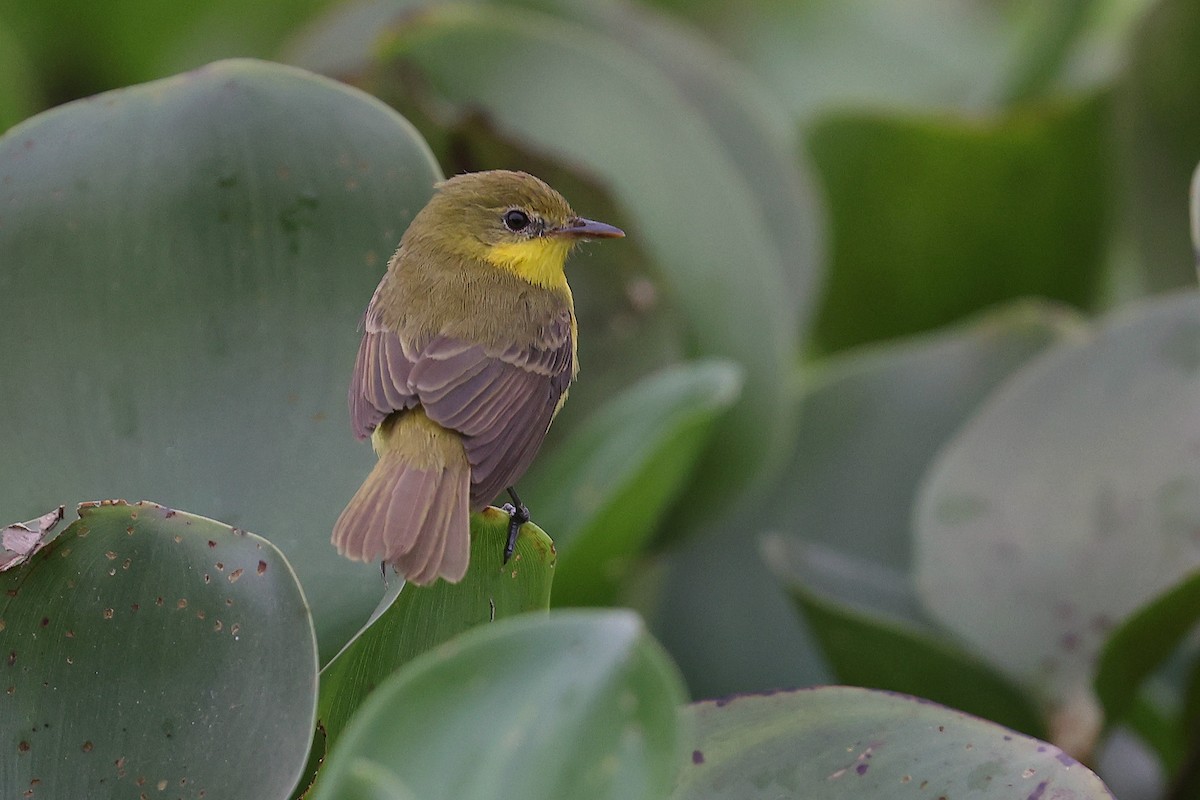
x=501 y=400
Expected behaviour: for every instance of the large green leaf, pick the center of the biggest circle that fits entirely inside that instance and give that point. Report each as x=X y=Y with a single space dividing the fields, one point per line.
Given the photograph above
x=872 y=419
x=147 y=649
x=606 y=488
x=757 y=135
x=837 y=742
x=204 y=246
x=573 y=704
x=743 y=313
x=1068 y=501
x=933 y=218
x=822 y=55
x=825 y=53
x=422 y=617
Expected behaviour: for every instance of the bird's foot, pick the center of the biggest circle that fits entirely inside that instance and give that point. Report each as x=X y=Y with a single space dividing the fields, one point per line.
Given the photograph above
x=518 y=515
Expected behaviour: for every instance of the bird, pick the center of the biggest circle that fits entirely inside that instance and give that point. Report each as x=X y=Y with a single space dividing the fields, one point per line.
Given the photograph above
x=468 y=350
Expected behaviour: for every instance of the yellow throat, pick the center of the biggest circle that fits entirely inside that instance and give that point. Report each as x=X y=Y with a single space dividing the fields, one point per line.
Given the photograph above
x=539 y=261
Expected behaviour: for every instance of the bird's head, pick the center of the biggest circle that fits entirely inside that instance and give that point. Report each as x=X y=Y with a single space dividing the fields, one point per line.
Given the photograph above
x=510 y=220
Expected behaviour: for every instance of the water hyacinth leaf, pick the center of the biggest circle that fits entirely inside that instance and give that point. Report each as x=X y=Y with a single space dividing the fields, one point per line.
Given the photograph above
x=888 y=642
x=827 y=55
x=587 y=696
x=605 y=488
x=222 y=231
x=757 y=135
x=141 y=636
x=422 y=617
x=862 y=53
x=716 y=587
x=742 y=314
x=933 y=218
x=1071 y=499
x=872 y=419
x=835 y=743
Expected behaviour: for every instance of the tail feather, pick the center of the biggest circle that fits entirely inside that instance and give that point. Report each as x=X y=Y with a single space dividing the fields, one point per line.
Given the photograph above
x=414 y=492
x=449 y=555
x=422 y=561
x=456 y=550
x=412 y=511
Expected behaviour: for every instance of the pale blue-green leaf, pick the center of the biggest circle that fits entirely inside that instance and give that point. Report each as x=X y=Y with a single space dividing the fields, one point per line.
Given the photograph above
x=183 y=266
x=837 y=742
x=1069 y=500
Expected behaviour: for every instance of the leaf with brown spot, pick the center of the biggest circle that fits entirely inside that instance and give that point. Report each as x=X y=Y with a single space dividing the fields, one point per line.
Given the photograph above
x=67 y=641
x=845 y=743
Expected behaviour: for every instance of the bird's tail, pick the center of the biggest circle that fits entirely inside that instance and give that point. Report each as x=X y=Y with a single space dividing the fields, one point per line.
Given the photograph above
x=413 y=509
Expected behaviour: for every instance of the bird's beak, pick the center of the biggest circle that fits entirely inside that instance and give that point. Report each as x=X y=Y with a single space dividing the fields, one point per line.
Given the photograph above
x=580 y=228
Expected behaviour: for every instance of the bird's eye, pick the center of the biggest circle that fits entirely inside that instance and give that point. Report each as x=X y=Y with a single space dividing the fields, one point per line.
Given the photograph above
x=516 y=220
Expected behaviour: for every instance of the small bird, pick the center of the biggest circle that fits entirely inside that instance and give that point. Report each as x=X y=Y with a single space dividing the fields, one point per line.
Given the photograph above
x=468 y=349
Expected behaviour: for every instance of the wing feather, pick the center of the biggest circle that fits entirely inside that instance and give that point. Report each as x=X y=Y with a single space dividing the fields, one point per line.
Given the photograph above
x=500 y=399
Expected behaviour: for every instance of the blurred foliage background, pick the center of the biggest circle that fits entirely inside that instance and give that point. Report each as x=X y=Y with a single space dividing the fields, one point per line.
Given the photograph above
x=892 y=267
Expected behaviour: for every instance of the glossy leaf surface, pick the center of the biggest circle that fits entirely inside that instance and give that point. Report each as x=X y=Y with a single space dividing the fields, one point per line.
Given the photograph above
x=141 y=637
x=573 y=704
x=204 y=246
x=837 y=742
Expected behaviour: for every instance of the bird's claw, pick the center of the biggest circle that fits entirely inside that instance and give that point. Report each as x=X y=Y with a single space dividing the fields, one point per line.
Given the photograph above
x=518 y=515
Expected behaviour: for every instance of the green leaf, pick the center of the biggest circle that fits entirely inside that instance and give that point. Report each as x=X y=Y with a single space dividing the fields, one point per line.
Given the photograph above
x=1141 y=643
x=889 y=644
x=837 y=742
x=1158 y=730
x=826 y=53
x=744 y=314
x=872 y=419
x=756 y=134
x=725 y=619
x=573 y=704
x=933 y=218
x=1158 y=127
x=188 y=261
x=605 y=489
x=1069 y=501
x=366 y=780
x=870 y=422
x=142 y=637
x=422 y=617
x=1040 y=56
